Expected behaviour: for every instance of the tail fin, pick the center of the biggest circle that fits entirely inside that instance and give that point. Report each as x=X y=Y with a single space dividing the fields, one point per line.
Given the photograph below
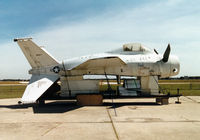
x=37 y=57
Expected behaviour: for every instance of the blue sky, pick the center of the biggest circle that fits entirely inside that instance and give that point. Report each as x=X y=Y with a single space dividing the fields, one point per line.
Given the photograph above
x=24 y=17
x=69 y=28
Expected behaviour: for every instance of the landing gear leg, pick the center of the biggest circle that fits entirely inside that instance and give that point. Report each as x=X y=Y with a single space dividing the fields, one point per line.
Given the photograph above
x=118 y=83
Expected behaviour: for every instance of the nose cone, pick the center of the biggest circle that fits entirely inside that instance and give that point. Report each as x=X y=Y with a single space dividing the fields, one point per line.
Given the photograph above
x=175 y=66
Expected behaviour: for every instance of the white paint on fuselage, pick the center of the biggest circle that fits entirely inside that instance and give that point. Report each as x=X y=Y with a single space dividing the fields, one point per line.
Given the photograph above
x=137 y=64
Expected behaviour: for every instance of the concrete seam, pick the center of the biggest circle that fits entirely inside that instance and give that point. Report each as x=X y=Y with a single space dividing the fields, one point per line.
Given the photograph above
x=113 y=126
x=51 y=129
x=191 y=99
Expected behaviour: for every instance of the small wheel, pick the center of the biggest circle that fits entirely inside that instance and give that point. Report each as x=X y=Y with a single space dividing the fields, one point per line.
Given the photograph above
x=19 y=102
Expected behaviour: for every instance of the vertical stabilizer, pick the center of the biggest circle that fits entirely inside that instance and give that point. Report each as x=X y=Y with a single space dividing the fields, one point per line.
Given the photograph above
x=37 y=57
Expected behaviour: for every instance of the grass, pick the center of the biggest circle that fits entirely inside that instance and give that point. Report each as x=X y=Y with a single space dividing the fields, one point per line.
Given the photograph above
x=177 y=80
x=9 y=82
x=186 y=88
x=11 y=91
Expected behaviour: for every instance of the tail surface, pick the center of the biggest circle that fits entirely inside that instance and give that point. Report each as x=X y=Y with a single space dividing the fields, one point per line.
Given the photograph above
x=37 y=57
x=43 y=62
x=37 y=86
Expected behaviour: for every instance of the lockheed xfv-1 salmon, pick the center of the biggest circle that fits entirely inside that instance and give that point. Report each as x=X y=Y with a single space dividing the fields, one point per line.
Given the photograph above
x=132 y=59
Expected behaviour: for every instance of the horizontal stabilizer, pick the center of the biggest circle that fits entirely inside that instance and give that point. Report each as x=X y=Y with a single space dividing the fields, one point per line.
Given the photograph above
x=37 y=86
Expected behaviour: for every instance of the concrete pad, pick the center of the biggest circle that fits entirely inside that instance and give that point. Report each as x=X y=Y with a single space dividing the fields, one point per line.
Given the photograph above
x=84 y=131
x=20 y=130
x=158 y=131
x=194 y=98
x=125 y=119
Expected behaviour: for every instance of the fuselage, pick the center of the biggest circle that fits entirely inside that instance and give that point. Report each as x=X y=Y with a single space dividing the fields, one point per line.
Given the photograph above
x=137 y=64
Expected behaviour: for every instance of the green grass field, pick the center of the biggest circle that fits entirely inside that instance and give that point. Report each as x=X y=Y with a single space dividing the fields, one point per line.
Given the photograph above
x=11 y=91
x=187 y=88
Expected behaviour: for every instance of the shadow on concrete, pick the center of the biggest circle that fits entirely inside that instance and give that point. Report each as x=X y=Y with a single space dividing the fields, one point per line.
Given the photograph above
x=51 y=107
x=55 y=107
x=65 y=106
x=17 y=106
x=120 y=104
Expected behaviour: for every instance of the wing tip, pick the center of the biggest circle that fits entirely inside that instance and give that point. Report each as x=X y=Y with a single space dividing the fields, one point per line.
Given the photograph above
x=22 y=39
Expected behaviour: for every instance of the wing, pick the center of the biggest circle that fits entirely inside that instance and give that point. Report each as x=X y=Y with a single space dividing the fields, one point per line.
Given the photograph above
x=99 y=63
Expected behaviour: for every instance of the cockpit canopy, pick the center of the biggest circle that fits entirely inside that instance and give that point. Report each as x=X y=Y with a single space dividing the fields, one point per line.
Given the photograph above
x=130 y=48
x=133 y=47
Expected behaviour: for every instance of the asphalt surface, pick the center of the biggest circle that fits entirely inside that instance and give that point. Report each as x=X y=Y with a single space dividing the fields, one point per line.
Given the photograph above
x=127 y=119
